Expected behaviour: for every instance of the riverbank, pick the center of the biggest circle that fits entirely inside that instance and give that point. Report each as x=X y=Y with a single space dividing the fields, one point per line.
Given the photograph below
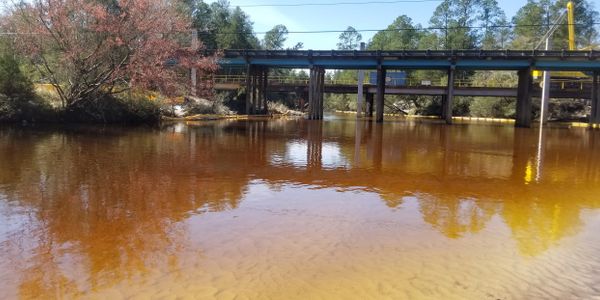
x=214 y=117
x=469 y=119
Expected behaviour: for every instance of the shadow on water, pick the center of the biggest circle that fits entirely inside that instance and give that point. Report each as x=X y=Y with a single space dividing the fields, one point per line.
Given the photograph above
x=112 y=199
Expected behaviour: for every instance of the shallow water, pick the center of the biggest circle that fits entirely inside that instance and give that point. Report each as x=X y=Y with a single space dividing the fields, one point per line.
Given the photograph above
x=294 y=209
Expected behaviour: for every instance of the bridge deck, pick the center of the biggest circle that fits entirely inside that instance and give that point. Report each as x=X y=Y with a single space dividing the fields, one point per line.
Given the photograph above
x=258 y=62
x=418 y=59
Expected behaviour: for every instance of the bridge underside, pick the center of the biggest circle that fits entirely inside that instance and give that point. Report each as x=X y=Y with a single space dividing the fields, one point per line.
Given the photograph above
x=524 y=62
x=558 y=93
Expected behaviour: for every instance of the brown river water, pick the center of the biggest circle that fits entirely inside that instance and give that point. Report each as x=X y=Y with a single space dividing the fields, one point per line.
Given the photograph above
x=295 y=209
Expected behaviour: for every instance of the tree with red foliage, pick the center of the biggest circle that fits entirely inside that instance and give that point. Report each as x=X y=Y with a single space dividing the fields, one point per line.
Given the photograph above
x=88 y=49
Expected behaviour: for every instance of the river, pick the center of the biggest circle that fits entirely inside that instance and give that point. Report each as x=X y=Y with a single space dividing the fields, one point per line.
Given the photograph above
x=295 y=209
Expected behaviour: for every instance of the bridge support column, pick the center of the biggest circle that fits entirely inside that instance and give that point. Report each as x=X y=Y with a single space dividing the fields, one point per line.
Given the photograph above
x=448 y=99
x=315 y=93
x=254 y=91
x=595 y=113
x=259 y=91
x=443 y=107
x=380 y=93
x=370 y=102
x=265 y=84
x=248 y=88
x=524 y=99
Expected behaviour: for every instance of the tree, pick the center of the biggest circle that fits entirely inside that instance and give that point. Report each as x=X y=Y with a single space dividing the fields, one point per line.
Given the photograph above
x=492 y=19
x=401 y=34
x=298 y=46
x=545 y=12
x=88 y=50
x=220 y=26
x=275 y=38
x=349 y=39
x=237 y=33
x=441 y=20
x=468 y=24
x=586 y=31
x=533 y=13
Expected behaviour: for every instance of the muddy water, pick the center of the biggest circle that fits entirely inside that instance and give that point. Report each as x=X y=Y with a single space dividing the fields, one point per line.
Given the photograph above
x=292 y=209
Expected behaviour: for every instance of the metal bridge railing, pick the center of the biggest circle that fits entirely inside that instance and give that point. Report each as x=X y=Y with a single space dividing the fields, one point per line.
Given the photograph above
x=579 y=84
x=588 y=54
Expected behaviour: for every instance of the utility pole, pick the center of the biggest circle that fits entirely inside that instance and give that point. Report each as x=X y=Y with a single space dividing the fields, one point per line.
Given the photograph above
x=545 y=89
x=359 y=95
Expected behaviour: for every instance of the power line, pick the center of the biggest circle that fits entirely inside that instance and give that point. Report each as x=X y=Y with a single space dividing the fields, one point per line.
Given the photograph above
x=336 y=3
x=507 y=26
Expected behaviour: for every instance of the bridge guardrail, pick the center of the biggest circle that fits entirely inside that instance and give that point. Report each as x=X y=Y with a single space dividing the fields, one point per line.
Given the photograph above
x=588 y=54
x=282 y=80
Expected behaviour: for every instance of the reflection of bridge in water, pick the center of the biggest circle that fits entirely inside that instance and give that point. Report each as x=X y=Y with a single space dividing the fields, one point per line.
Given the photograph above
x=460 y=176
x=258 y=63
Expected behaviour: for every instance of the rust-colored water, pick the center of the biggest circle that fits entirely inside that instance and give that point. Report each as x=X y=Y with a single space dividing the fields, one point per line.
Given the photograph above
x=292 y=209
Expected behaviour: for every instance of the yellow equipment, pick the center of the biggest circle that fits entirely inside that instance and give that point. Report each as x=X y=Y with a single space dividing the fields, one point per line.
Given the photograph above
x=565 y=75
x=571 y=24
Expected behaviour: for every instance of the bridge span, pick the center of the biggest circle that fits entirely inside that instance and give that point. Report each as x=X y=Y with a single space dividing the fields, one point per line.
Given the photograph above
x=258 y=62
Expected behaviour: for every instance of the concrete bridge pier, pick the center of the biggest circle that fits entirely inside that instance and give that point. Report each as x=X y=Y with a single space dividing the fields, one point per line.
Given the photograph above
x=448 y=99
x=523 y=118
x=316 y=86
x=595 y=113
x=370 y=103
x=380 y=93
x=256 y=89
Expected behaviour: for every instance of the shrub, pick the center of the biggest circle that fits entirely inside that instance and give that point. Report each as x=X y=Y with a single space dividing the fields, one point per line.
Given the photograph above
x=111 y=109
x=17 y=99
x=493 y=107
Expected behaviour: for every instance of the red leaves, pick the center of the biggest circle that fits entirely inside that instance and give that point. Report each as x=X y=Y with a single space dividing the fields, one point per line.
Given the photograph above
x=92 y=47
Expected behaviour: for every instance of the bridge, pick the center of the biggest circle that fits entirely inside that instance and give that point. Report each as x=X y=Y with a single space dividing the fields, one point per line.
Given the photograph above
x=571 y=89
x=258 y=62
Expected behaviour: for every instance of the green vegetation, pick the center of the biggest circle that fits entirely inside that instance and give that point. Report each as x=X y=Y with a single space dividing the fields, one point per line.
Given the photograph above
x=17 y=99
x=96 y=61
x=473 y=24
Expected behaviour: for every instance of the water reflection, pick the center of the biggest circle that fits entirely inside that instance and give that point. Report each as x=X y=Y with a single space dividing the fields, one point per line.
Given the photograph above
x=97 y=206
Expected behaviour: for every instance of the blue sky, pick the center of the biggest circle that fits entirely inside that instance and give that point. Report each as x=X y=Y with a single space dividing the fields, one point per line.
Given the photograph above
x=371 y=16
